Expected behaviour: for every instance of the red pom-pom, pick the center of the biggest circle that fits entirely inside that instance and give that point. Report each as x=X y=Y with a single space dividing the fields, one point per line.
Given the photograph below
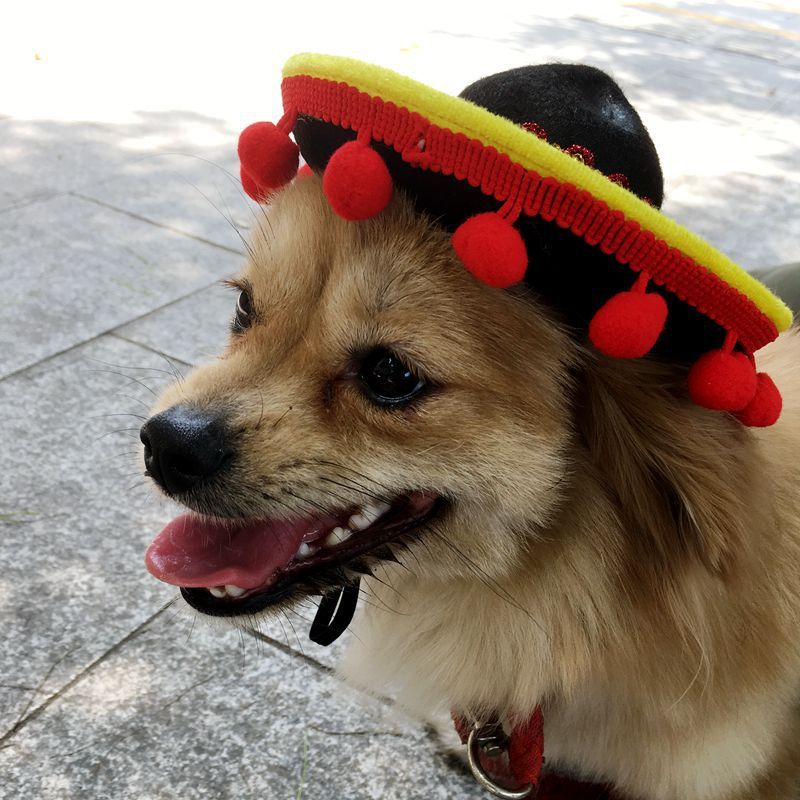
x=722 y=381
x=357 y=182
x=491 y=249
x=249 y=186
x=629 y=324
x=268 y=158
x=305 y=171
x=765 y=408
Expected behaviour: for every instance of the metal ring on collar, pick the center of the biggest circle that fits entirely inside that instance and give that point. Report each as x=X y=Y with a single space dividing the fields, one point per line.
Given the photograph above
x=481 y=776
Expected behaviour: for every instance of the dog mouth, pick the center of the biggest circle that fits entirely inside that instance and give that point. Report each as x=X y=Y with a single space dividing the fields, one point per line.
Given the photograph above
x=228 y=567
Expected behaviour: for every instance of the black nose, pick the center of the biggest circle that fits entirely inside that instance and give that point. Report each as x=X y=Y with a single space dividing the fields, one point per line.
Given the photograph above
x=183 y=446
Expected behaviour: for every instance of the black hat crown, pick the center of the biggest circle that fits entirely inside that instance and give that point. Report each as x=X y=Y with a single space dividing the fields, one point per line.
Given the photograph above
x=577 y=108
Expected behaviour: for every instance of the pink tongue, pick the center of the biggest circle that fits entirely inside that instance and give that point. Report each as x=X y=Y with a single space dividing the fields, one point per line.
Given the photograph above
x=193 y=552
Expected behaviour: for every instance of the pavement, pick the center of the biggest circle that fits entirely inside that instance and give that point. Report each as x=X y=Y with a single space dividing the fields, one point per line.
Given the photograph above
x=119 y=214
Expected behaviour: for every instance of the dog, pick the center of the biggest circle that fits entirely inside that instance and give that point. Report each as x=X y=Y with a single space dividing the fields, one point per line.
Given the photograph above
x=534 y=523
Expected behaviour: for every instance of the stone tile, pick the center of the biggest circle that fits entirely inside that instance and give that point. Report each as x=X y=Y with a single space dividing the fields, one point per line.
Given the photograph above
x=756 y=29
x=172 y=710
x=784 y=280
x=743 y=215
x=40 y=159
x=177 y=169
x=43 y=158
x=196 y=194
x=74 y=538
x=193 y=330
x=725 y=126
x=669 y=79
x=76 y=515
x=73 y=269
x=207 y=716
x=6 y=199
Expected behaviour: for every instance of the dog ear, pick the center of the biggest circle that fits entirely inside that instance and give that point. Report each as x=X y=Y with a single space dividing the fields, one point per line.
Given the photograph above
x=682 y=478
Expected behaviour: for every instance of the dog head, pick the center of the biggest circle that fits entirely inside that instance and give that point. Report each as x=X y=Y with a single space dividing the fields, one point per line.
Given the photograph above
x=374 y=402
x=377 y=404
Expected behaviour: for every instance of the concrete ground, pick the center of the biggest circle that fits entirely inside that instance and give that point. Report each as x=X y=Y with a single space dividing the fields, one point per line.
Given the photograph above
x=117 y=144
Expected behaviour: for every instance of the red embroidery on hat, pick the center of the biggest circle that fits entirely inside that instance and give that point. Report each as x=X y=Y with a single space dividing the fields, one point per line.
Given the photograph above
x=582 y=153
x=620 y=179
x=535 y=128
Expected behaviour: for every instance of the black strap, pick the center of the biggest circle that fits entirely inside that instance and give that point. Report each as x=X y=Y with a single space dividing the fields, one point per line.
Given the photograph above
x=335 y=613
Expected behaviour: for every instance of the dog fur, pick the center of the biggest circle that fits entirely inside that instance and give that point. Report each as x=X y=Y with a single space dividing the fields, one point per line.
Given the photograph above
x=610 y=551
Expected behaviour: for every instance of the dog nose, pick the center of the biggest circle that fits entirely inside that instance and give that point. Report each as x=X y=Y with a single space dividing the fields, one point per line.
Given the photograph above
x=183 y=446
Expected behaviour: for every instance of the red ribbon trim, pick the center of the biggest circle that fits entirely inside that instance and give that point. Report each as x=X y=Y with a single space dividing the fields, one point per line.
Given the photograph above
x=494 y=173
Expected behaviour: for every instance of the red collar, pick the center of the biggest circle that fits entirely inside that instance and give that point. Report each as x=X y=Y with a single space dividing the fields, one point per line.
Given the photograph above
x=510 y=766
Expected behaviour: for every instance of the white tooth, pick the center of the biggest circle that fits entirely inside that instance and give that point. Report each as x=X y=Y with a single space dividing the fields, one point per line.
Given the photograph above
x=233 y=590
x=337 y=536
x=358 y=522
x=367 y=515
x=304 y=551
x=375 y=510
x=217 y=591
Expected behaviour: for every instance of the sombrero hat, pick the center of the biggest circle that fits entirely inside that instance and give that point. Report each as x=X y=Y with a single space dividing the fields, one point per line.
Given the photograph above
x=546 y=176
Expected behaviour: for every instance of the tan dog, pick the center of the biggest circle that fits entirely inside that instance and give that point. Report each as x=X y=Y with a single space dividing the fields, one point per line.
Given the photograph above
x=571 y=530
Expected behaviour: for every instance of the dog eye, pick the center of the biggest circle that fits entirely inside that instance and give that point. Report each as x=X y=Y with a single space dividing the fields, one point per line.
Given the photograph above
x=387 y=380
x=244 y=311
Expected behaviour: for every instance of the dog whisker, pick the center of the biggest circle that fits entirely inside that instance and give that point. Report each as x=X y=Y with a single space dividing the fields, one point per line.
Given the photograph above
x=242 y=648
x=132 y=398
x=376 y=603
x=279 y=617
x=191 y=627
x=120 y=414
x=361 y=475
x=358 y=489
x=294 y=632
x=124 y=367
x=114 y=456
x=261 y=415
x=173 y=368
x=293 y=510
x=130 y=378
x=487 y=581
x=337 y=495
x=125 y=431
x=389 y=586
x=277 y=421
x=305 y=500
x=235 y=182
x=228 y=219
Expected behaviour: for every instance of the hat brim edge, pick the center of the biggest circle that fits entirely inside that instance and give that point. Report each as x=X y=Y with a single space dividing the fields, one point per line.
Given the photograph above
x=532 y=153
